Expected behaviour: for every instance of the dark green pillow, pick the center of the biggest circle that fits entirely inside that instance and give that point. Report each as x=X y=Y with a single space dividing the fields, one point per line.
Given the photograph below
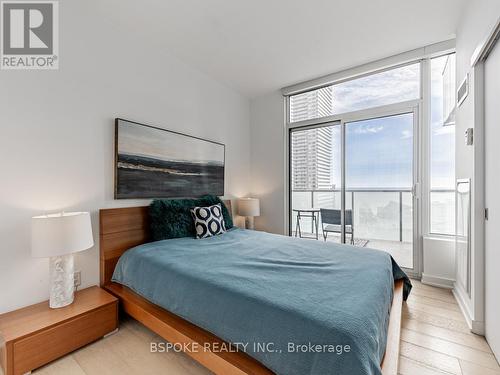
x=171 y=218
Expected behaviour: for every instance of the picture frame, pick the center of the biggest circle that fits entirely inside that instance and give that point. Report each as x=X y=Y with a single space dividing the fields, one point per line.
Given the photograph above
x=152 y=162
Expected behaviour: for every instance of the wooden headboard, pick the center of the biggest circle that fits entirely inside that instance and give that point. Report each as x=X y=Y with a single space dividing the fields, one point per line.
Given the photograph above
x=119 y=230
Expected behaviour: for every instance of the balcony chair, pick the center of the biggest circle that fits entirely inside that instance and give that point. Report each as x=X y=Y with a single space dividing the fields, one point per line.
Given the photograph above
x=331 y=222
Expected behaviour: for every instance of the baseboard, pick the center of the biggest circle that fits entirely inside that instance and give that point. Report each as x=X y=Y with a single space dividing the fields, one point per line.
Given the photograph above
x=463 y=305
x=476 y=326
x=441 y=282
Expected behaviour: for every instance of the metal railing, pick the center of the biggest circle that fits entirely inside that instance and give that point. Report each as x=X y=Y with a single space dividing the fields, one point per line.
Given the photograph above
x=353 y=192
x=399 y=191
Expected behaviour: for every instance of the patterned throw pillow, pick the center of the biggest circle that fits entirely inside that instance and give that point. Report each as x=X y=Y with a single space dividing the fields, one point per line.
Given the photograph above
x=208 y=221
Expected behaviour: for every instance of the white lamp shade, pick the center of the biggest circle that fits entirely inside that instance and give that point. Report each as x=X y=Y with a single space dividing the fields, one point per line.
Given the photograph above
x=61 y=234
x=248 y=207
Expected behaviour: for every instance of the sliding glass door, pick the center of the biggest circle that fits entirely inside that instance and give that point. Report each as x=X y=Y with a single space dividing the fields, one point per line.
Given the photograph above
x=379 y=165
x=352 y=181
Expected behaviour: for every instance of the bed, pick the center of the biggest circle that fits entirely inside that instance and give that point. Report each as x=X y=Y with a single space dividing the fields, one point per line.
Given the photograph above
x=256 y=291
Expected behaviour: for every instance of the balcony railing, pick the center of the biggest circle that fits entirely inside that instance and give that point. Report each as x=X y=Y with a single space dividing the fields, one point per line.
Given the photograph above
x=385 y=216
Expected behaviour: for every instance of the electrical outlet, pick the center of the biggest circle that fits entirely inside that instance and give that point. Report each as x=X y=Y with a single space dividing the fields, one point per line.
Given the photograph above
x=78 y=278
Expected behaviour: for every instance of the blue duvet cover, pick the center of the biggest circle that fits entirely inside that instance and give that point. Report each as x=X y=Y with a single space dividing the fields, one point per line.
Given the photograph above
x=297 y=306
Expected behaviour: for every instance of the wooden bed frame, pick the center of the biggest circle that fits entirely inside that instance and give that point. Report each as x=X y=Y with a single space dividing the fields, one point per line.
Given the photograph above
x=123 y=228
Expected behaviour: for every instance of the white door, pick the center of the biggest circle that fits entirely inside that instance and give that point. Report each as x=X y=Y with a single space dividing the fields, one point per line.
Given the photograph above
x=492 y=138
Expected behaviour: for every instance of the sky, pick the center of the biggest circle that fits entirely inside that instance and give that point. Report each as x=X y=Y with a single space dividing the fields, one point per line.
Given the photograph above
x=392 y=86
x=379 y=152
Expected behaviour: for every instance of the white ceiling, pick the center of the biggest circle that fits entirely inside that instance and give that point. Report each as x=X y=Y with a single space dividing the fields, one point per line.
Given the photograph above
x=256 y=46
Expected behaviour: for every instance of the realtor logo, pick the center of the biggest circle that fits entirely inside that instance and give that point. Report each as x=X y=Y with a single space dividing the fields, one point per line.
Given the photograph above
x=29 y=37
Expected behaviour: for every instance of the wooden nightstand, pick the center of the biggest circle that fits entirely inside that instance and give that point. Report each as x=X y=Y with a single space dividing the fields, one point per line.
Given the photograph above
x=36 y=335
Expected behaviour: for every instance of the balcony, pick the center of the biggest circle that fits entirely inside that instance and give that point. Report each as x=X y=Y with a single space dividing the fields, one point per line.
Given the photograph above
x=382 y=218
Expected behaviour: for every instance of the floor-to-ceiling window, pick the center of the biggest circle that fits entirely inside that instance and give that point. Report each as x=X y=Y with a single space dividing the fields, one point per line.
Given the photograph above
x=355 y=154
x=442 y=146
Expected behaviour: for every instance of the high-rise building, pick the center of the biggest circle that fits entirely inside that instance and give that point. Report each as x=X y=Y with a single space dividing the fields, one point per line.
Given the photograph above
x=312 y=150
x=311 y=104
x=312 y=159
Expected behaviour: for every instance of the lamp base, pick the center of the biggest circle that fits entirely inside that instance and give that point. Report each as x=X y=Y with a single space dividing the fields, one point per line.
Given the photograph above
x=62 y=283
x=249 y=223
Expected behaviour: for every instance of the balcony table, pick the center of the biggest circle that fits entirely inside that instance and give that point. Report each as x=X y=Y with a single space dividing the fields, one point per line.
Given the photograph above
x=312 y=213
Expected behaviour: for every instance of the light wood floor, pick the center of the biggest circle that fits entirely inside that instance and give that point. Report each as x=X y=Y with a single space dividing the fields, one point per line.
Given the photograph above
x=435 y=340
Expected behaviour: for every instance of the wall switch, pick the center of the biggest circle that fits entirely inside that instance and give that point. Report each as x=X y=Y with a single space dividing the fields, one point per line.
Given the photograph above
x=78 y=278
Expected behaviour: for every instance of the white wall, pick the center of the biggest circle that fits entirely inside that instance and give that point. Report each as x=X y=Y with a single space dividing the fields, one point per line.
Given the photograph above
x=268 y=160
x=477 y=20
x=56 y=133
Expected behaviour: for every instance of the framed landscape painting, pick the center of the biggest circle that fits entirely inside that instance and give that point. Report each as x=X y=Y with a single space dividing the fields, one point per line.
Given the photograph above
x=151 y=162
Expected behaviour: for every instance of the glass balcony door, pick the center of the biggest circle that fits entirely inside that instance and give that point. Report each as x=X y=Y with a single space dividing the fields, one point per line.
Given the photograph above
x=379 y=180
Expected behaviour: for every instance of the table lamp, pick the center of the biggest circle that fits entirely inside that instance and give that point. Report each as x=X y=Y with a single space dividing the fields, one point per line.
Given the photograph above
x=58 y=237
x=249 y=207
